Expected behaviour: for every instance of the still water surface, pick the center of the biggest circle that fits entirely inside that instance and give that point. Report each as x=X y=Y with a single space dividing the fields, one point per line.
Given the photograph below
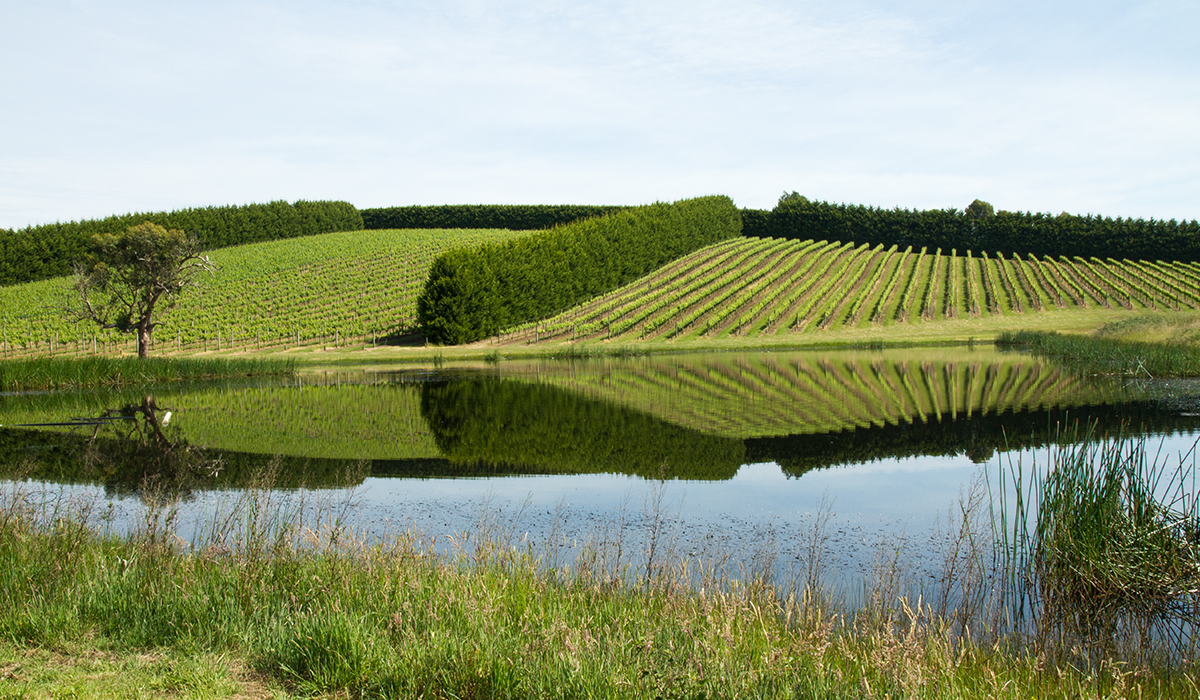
x=732 y=455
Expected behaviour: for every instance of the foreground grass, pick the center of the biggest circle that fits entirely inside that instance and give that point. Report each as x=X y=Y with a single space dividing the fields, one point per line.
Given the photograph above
x=48 y=373
x=89 y=672
x=263 y=605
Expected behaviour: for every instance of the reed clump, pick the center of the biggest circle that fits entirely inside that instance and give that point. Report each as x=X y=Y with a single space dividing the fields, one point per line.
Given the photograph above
x=1103 y=550
x=55 y=373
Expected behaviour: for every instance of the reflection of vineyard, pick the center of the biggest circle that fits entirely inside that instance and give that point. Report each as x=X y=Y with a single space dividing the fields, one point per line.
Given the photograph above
x=767 y=287
x=691 y=417
x=766 y=395
x=315 y=420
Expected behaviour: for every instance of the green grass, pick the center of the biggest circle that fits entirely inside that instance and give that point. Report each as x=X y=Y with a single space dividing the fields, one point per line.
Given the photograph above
x=316 y=611
x=57 y=373
x=1101 y=354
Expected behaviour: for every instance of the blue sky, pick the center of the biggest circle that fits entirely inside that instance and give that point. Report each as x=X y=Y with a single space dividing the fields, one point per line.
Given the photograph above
x=112 y=107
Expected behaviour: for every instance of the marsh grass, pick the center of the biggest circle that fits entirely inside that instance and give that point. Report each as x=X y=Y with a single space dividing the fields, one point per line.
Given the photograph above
x=287 y=587
x=53 y=373
x=1102 y=355
x=1101 y=549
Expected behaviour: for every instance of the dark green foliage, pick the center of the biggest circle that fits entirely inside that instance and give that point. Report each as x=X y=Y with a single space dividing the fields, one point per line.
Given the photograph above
x=980 y=209
x=514 y=217
x=755 y=223
x=978 y=228
x=41 y=252
x=472 y=293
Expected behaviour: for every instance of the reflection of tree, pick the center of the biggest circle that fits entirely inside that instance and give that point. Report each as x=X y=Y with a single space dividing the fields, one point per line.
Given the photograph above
x=133 y=450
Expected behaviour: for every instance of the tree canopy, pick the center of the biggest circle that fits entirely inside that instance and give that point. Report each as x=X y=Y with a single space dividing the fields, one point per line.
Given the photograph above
x=136 y=274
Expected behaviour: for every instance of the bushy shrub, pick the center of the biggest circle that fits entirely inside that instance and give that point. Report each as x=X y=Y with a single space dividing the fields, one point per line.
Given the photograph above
x=474 y=292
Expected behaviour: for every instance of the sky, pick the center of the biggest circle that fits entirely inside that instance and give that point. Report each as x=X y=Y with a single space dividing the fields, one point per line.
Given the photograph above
x=115 y=107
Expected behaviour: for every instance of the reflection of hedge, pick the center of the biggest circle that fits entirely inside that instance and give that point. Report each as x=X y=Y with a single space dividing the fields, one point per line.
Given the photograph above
x=473 y=292
x=42 y=252
x=543 y=429
x=515 y=217
x=1006 y=232
x=978 y=437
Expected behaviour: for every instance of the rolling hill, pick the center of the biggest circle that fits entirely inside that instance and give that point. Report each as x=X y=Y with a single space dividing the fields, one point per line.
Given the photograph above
x=361 y=287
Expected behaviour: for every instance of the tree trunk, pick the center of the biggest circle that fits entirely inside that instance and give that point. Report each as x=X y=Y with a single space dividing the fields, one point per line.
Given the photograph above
x=143 y=340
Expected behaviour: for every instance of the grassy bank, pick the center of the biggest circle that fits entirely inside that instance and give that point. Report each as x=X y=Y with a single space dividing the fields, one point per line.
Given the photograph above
x=1106 y=355
x=263 y=604
x=48 y=373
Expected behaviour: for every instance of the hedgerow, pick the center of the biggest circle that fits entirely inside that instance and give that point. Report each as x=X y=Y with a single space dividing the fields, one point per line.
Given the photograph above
x=1007 y=232
x=514 y=217
x=42 y=252
x=475 y=292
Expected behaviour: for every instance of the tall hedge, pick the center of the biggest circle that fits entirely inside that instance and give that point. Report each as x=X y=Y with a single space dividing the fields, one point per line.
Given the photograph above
x=512 y=217
x=40 y=252
x=473 y=292
x=1006 y=232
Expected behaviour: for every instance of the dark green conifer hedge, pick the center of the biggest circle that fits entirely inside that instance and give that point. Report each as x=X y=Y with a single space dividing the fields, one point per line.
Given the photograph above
x=471 y=293
x=1007 y=232
x=515 y=217
x=41 y=252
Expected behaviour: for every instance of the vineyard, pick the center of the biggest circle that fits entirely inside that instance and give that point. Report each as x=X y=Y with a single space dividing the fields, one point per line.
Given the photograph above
x=359 y=288
x=773 y=287
x=336 y=289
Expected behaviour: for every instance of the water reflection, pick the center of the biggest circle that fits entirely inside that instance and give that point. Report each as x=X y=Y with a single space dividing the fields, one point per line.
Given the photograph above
x=130 y=448
x=690 y=418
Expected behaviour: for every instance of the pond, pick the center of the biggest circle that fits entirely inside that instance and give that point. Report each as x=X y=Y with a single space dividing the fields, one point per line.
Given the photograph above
x=738 y=458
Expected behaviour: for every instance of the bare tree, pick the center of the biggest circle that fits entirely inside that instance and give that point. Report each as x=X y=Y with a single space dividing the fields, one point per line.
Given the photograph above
x=136 y=274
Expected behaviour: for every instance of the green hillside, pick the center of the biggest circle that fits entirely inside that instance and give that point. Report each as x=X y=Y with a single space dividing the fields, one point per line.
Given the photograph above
x=768 y=288
x=354 y=286
x=361 y=287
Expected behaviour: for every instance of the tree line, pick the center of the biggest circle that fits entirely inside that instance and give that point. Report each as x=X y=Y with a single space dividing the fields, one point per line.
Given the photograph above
x=978 y=228
x=42 y=252
x=514 y=217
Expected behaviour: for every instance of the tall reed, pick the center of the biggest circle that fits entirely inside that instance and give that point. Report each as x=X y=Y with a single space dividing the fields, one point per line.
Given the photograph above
x=1100 y=549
